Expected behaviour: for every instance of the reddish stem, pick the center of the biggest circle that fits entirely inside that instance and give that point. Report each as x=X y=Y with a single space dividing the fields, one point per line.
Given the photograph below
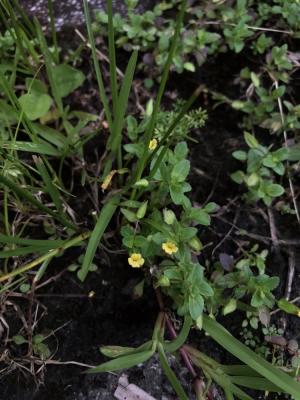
x=198 y=382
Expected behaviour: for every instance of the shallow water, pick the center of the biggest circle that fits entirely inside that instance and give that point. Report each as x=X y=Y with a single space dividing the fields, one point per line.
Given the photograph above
x=70 y=12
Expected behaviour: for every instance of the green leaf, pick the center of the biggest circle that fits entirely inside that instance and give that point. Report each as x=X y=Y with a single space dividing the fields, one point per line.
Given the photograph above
x=196 y=305
x=50 y=188
x=122 y=103
x=124 y=362
x=288 y=307
x=250 y=140
x=180 y=171
x=102 y=93
x=103 y=220
x=169 y=216
x=176 y=193
x=117 y=351
x=25 y=194
x=141 y=212
x=274 y=190
x=189 y=66
x=170 y=374
x=35 y=104
x=240 y=155
x=129 y=215
x=256 y=383
x=238 y=177
x=294 y=153
x=181 y=150
x=18 y=339
x=200 y=216
x=229 y=307
x=30 y=147
x=67 y=79
x=46 y=244
x=255 y=79
x=35 y=85
x=242 y=352
x=181 y=338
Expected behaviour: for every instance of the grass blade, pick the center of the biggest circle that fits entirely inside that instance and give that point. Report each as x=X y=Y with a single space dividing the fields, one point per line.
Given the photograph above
x=267 y=370
x=117 y=351
x=123 y=103
x=255 y=383
x=49 y=66
x=112 y=58
x=21 y=251
x=102 y=93
x=181 y=338
x=50 y=188
x=50 y=254
x=122 y=362
x=165 y=74
x=31 y=199
x=30 y=147
x=46 y=244
x=170 y=374
x=53 y=30
x=104 y=218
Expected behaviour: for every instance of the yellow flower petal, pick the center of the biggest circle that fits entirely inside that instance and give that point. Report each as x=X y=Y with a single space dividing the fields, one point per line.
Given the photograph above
x=136 y=260
x=169 y=247
x=153 y=144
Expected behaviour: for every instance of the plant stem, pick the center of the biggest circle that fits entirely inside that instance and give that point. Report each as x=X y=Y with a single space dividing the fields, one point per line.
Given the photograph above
x=198 y=381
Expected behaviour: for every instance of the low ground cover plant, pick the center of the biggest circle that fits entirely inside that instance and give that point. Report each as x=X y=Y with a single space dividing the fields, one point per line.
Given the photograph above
x=141 y=186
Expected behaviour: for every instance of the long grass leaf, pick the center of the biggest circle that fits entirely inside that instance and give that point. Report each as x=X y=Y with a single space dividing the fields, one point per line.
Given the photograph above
x=49 y=254
x=102 y=93
x=165 y=74
x=30 y=242
x=170 y=374
x=255 y=383
x=49 y=66
x=30 y=147
x=242 y=352
x=120 y=351
x=53 y=30
x=20 y=251
x=50 y=188
x=112 y=57
x=104 y=218
x=181 y=338
x=123 y=103
x=122 y=362
x=25 y=194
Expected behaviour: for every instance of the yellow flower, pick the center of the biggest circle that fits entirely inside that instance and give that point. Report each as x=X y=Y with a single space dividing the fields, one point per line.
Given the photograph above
x=136 y=260
x=153 y=144
x=169 y=247
x=298 y=313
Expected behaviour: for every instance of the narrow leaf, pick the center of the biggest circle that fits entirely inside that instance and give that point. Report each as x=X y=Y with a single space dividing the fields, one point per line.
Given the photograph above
x=273 y=374
x=122 y=362
x=181 y=338
x=170 y=374
x=104 y=218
